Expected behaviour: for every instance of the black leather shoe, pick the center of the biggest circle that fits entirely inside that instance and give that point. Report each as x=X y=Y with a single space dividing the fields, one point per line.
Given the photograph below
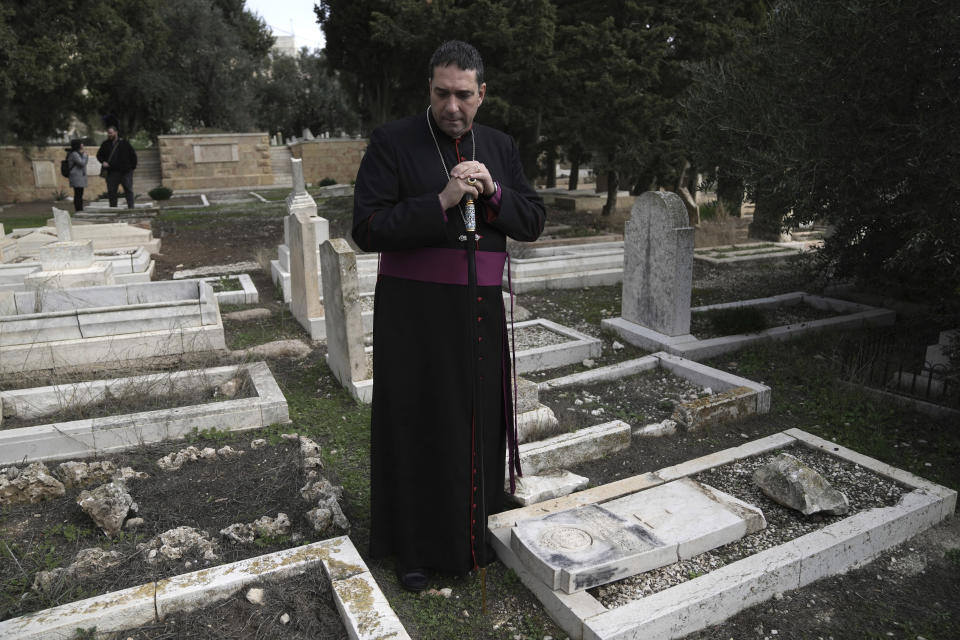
x=413 y=580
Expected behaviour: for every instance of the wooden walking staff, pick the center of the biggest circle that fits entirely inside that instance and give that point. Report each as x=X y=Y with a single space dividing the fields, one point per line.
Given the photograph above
x=470 y=223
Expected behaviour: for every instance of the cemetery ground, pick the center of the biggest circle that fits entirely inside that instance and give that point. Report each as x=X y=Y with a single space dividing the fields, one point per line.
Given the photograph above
x=910 y=591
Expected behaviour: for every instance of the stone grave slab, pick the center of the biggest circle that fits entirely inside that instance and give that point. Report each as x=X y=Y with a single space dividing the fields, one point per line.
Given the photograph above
x=596 y=544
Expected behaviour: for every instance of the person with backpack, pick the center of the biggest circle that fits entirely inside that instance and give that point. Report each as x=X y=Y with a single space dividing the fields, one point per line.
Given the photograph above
x=118 y=159
x=76 y=170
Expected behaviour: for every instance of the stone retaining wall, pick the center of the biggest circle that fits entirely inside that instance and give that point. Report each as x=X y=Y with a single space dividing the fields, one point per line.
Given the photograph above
x=32 y=173
x=336 y=158
x=215 y=161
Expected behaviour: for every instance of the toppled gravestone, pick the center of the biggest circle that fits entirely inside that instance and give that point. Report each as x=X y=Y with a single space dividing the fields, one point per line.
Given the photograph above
x=87 y=563
x=32 y=484
x=266 y=527
x=792 y=483
x=108 y=505
x=327 y=517
x=177 y=543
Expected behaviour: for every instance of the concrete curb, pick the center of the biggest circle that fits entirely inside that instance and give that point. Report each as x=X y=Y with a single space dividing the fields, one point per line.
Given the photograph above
x=578 y=347
x=364 y=609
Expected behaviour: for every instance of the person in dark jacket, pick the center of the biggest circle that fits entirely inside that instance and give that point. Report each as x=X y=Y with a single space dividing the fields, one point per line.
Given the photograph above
x=119 y=160
x=77 y=162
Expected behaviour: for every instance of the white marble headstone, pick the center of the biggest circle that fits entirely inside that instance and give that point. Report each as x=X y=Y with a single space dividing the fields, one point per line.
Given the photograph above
x=64 y=226
x=658 y=264
x=299 y=201
x=304 y=287
x=595 y=544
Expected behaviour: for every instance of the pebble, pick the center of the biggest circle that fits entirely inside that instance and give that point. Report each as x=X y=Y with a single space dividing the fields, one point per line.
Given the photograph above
x=255 y=595
x=285 y=618
x=617 y=346
x=259 y=443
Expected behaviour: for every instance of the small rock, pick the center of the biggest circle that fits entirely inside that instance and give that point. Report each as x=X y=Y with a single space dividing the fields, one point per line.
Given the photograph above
x=255 y=595
x=175 y=460
x=33 y=484
x=229 y=388
x=174 y=543
x=289 y=437
x=285 y=618
x=259 y=443
x=229 y=452
x=589 y=363
x=276 y=349
x=617 y=346
x=108 y=505
x=133 y=523
x=442 y=593
x=208 y=453
x=78 y=474
x=309 y=448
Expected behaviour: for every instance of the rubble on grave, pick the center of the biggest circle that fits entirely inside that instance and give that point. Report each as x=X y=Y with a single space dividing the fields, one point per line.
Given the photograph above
x=108 y=505
x=327 y=517
x=229 y=388
x=79 y=474
x=792 y=483
x=266 y=527
x=88 y=562
x=32 y=484
x=177 y=543
x=175 y=460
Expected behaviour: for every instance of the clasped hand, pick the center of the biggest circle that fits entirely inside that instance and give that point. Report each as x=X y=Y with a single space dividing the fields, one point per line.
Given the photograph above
x=458 y=185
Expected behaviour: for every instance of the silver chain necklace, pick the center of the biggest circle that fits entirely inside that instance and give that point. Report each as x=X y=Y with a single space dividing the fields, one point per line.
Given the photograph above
x=446 y=173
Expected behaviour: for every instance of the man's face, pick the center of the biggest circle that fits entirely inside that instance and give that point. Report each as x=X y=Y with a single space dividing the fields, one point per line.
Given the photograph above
x=111 y=133
x=455 y=98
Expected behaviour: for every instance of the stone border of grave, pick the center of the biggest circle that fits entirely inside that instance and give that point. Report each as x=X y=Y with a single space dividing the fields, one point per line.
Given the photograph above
x=569 y=266
x=734 y=397
x=578 y=348
x=248 y=293
x=109 y=323
x=855 y=315
x=364 y=609
x=712 y=598
x=129 y=265
x=747 y=252
x=216 y=270
x=83 y=438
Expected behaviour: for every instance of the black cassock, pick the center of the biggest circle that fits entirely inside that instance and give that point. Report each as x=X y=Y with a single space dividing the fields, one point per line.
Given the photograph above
x=426 y=507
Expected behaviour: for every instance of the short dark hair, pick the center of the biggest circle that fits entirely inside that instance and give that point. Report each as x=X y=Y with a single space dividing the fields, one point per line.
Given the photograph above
x=460 y=53
x=75 y=144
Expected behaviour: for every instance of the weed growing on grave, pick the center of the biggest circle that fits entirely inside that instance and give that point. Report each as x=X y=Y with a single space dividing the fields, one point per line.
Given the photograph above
x=271 y=541
x=85 y=634
x=953 y=556
x=214 y=434
x=69 y=532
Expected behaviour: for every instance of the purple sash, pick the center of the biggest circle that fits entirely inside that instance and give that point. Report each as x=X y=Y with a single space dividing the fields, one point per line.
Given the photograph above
x=443 y=266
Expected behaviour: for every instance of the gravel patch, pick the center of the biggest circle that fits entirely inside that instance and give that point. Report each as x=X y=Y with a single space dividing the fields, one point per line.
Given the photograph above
x=535 y=336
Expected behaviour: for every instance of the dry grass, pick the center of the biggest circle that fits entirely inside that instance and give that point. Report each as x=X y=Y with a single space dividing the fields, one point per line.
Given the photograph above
x=720 y=230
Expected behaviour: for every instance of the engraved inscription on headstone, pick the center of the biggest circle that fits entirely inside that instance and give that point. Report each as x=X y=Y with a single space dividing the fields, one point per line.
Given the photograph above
x=216 y=153
x=595 y=544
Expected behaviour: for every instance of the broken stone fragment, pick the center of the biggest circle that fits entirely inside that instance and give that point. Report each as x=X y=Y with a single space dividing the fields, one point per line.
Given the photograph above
x=208 y=453
x=79 y=474
x=88 y=562
x=792 y=483
x=229 y=452
x=176 y=543
x=255 y=595
x=266 y=527
x=229 y=388
x=258 y=443
x=177 y=459
x=107 y=505
x=327 y=517
x=33 y=484
x=309 y=448
x=127 y=473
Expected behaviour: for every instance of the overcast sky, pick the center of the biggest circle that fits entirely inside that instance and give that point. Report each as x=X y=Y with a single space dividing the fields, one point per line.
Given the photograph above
x=290 y=17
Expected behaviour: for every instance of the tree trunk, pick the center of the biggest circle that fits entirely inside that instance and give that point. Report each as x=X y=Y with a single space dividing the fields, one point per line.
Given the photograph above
x=768 y=216
x=574 y=181
x=612 y=183
x=730 y=192
x=551 y=167
x=689 y=200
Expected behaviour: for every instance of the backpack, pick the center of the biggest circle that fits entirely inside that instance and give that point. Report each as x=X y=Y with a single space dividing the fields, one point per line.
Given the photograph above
x=65 y=166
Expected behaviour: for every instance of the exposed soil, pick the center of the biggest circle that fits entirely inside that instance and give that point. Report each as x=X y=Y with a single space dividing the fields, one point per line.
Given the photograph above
x=306 y=600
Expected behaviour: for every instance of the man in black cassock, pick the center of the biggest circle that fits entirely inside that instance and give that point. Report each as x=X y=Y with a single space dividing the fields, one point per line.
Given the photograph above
x=443 y=419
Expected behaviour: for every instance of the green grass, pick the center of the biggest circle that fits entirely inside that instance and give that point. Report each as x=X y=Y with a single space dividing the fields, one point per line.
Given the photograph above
x=24 y=222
